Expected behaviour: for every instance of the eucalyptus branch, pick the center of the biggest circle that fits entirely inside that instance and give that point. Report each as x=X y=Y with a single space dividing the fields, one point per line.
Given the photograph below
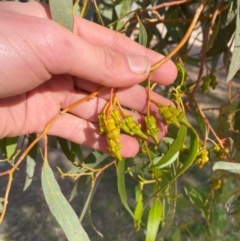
x=184 y=40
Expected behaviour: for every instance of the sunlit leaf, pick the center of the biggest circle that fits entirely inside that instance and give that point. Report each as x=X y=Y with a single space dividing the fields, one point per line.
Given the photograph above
x=154 y=219
x=122 y=186
x=187 y=161
x=174 y=148
x=62 y=12
x=227 y=166
x=60 y=208
x=11 y=145
x=235 y=61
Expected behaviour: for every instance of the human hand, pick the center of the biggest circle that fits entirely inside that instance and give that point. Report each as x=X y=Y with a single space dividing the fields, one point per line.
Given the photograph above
x=45 y=68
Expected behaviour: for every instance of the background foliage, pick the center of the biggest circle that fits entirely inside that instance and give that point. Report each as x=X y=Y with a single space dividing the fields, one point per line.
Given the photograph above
x=201 y=204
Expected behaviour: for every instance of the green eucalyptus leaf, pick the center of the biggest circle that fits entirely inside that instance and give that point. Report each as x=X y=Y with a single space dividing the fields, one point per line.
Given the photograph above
x=64 y=144
x=192 y=153
x=187 y=161
x=31 y=163
x=139 y=207
x=227 y=166
x=62 y=12
x=196 y=198
x=81 y=182
x=142 y=38
x=174 y=149
x=30 y=168
x=3 y=146
x=222 y=39
x=121 y=185
x=236 y=135
x=1 y=206
x=89 y=198
x=11 y=145
x=176 y=236
x=169 y=162
x=60 y=208
x=154 y=219
x=235 y=61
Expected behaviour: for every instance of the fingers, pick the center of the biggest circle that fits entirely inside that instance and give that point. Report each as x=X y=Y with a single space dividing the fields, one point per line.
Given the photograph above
x=82 y=132
x=134 y=97
x=97 y=34
x=97 y=54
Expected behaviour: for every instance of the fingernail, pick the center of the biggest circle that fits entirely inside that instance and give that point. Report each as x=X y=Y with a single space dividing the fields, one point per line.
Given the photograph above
x=138 y=64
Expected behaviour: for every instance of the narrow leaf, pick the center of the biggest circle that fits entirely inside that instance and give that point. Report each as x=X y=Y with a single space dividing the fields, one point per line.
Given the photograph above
x=154 y=219
x=60 y=207
x=174 y=148
x=30 y=168
x=121 y=185
x=196 y=198
x=3 y=146
x=192 y=153
x=139 y=207
x=65 y=148
x=11 y=145
x=1 y=206
x=62 y=12
x=81 y=182
x=142 y=38
x=227 y=166
x=235 y=61
x=92 y=191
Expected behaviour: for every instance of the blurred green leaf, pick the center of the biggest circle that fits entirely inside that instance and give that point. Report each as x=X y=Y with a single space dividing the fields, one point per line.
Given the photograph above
x=1 y=206
x=3 y=146
x=236 y=135
x=139 y=207
x=227 y=166
x=90 y=195
x=196 y=198
x=154 y=219
x=11 y=145
x=31 y=163
x=122 y=186
x=176 y=235
x=222 y=39
x=62 y=12
x=30 y=168
x=200 y=121
x=235 y=61
x=81 y=182
x=64 y=144
x=142 y=38
x=60 y=208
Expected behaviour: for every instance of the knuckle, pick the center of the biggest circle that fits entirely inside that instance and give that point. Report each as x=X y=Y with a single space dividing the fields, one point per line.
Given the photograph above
x=110 y=61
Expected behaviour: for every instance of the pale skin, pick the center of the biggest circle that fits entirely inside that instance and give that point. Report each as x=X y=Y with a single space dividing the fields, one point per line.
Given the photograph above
x=45 y=68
